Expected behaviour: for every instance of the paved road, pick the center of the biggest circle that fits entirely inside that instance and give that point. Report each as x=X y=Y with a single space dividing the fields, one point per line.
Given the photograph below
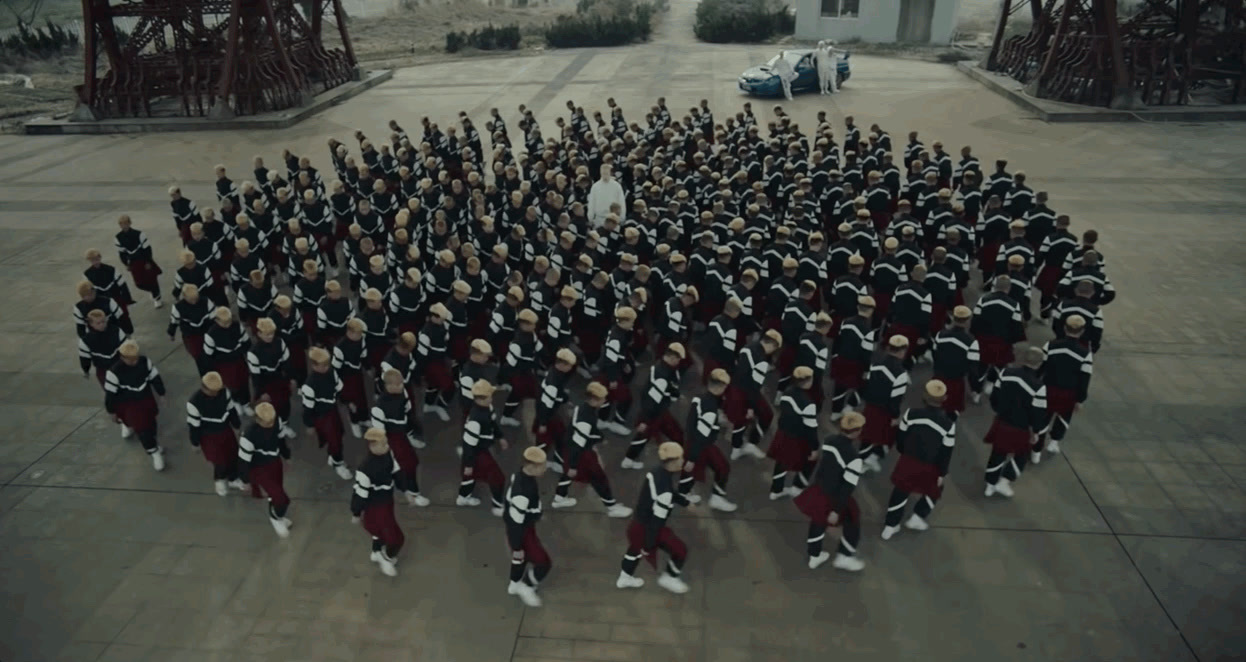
x=1129 y=547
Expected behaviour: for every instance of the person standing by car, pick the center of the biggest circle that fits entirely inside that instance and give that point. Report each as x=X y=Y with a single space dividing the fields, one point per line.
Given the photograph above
x=826 y=73
x=786 y=73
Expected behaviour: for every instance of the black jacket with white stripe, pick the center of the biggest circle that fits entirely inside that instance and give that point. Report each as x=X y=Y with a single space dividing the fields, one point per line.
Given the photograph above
x=1020 y=399
x=886 y=383
x=127 y=383
x=374 y=483
x=927 y=434
x=523 y=507
x=1069 y=366
x=210 y=414
x=840 y=469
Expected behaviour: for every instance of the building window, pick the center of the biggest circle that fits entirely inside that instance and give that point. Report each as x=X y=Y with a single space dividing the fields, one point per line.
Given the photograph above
x=840 y=8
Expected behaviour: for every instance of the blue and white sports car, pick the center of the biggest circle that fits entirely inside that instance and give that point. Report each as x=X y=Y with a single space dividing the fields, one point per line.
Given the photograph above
x=762 y=82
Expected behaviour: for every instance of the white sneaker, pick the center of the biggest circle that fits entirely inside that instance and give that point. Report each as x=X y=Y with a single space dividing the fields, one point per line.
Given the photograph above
x=126 y=432
x=721 y=503
x=616 y=428
x=752 y=449
x=916 y=523
x=1053 y=446
x=221 y=489
x=418 y=444
x=628 y=581
x=287 y=432
x=248 y=410
x=872 y=464
x=280 y=527
x=553 y=466
x=618 y=511
x=849 y=563
x=467 y=501
x=288 y=522
x=157 y=460
x=736 y=453
x=496 y=510
x=417 y=499
x=1035 y=457
x=356 y=430
x=629 y=463
x=562 y=502
x=536 y=586
x=157 y=304
x=890 y=531
x=526 y=594
x=238 y=485
x=376 y=557
x=441 y=413
x=387 y=566
x=794 y=491
x=510 y=421
x=990 y=490
x=987 y=388
x=342 y=471
x=835 y=416
x=693 y=498
x=976 y=397
x=816 y=561
x=673 y=584
x=1004 y=487
x=782 y=494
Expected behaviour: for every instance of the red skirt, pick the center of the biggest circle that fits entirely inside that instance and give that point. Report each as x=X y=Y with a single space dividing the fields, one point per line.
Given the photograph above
x=590 y=341
x=533 y=551
x=555 y=430
x=269 y=478
x=711 y=458
x=233 y=374
x=882 y=304
x=789 y=452
x=145 y=274
x=847 y=373
x=938 y=317
x=379 y=521
x=193 y=342
x=437 y=375
x=666 y=540
x=987 y=255
x=664 y=425
x=736 y=404
x=523 y=387
x=836 y=321
x=587 y=467
x=1008 y=439
x=954 y=401
x=278 y=393
x=459 y=343
x=618 y=393
x=219 y=448
x=881 y=220
x=487 y=470
x=329 y=431
x=353 y=394
x=138 y=415
x=916 y=477
x=817 y=506
x=995 y=351
x=911 y=333
x=376 y=354
x=787 y=357
x=404 y=453
x=1048 y=280
x=878 y=430
x=1061 y=401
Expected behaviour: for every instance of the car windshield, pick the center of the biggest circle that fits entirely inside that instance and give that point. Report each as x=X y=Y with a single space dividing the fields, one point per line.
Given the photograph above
x=791 y=56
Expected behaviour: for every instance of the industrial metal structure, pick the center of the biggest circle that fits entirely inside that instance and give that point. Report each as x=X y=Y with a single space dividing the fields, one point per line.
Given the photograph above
x=216 y=58
x=1087 y=52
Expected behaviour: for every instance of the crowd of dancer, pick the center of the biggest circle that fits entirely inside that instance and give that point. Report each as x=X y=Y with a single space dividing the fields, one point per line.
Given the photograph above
x=419 y=269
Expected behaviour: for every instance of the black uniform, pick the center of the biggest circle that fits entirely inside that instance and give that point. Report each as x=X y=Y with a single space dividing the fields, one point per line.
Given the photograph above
x=836 y=478
x=1020 y=404
x=648 y=531
x=523 y=511
x=212 y=419
x=1066 y=374
x=925 y=441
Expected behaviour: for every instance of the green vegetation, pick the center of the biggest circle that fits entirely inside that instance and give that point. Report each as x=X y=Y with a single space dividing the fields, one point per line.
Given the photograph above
x=603 y=23
x=725 y=21
x=489 y=38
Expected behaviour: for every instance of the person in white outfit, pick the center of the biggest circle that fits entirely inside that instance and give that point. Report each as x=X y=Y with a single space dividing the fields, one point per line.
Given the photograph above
x=832 y=57
x=605 y=192
x=826 y=75
x=786 y=73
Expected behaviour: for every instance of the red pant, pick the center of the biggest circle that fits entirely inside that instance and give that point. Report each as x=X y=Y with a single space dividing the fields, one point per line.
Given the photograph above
x=587 y=468
x=220 y=448
x=329 y=432
x=486 y=470
x=664 y=425
x=533 y=551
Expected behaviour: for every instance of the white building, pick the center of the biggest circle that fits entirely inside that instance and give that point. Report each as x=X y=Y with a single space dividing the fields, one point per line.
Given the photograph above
x=910 y=21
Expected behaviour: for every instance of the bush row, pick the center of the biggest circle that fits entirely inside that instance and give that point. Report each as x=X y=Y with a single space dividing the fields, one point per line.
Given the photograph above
x=489 y=38
x=722 y=21
x=603 y=23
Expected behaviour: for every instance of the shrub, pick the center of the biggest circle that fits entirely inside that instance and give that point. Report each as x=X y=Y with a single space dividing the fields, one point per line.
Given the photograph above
x=722 y=21
x=489 y=38
x=603 y=23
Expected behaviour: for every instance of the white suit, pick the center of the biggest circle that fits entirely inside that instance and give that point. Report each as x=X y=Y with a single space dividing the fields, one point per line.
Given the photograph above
x=600 y=197
x=826 y=73
x=833 y=56
x=786 y=73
